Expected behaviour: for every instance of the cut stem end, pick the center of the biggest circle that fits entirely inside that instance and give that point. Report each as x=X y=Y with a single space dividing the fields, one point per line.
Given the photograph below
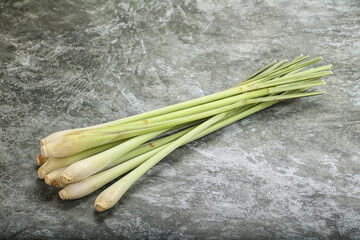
x=100 y=207
x=63 y=195
x=65 y=179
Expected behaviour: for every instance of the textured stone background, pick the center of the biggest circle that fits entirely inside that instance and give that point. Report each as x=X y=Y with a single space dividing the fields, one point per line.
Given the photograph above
x=291 y=171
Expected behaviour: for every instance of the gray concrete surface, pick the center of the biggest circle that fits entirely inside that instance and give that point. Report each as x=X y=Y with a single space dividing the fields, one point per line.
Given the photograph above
x=288 y=172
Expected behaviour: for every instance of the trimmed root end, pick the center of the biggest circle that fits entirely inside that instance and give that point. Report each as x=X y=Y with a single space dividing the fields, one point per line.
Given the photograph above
x=48 y=180
x=63 y=195
x=41 y=173
x=100 y=207
x=44 y=152
x=40 y=159
x=65 y=179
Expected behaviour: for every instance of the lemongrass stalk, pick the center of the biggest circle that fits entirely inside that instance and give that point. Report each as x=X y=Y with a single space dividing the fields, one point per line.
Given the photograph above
x=149 y=146
x=296 y=61
x=55 y=162
x=290 y=79
x=267 y=70
x=190 y=113
x=88 y=166
x=95 y=138
x=286 y=69
x=295 y=67
x=77 y=141
x=91 y=184
x=110 y=196
x=201 y=108
x=88 y=185
x=308 y=74
x=194 y=110
x=163 y=141
x=59 y=135
x=85 y=187
x=54 y=140
x=259 y=72
x=272 y=69
x=60 y=149
x=54 y=136
x=326 y=67
x=283 y=97
x=138 y=130
x=53 y=178
x=41 y=160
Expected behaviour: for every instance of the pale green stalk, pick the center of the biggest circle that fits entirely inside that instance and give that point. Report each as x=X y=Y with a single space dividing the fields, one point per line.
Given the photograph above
x=286 y=69
x=150 y=146
x=258 y=72
x=111 y=195
x=290 y=79
x=75 y=142
x=284 y=72
x=272 y=69
x=54 y=163
x=85 y=187
x=276 y=68
x=91 y=184
x=59 y=135
x=88 y=166
x=82 y=188
x=53 y=178
x=138 y=130
x=80 y=140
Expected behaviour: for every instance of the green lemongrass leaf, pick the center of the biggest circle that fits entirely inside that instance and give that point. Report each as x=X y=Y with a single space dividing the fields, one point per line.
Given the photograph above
x=258 y=72
x=281 y=71
x=268 y=71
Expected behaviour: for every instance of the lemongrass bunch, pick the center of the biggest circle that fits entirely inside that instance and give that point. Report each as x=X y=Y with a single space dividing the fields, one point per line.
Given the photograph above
x=82 y=160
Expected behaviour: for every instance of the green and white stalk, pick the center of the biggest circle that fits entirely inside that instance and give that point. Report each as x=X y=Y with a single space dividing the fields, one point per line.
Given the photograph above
x=91 y=165
x=110 y=196
x=91 y=184
x=54 y=163
x=85 y=187
x=202 y=115
x=53 y=178
x=83 y=160
x=73 y=142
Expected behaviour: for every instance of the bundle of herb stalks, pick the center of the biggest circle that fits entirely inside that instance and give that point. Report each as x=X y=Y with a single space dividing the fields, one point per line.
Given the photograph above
x=80 y=161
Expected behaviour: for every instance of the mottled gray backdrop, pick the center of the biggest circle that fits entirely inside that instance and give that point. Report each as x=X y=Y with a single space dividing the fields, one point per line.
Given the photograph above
x=289 y=172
